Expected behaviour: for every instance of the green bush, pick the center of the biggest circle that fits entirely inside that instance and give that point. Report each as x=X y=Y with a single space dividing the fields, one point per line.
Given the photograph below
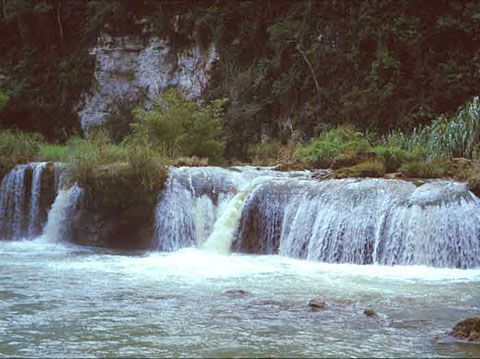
x=16 y=143
x=18 y=147
x=53 y=153
x=3 y=99
x=175 y=126
x=445 y=137
x=264 y=154
x=341 y=141
x=426 y=169
x=393 y=157
x=369 y=168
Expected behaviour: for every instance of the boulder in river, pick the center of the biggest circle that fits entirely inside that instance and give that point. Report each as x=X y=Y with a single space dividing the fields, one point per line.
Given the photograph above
x=317 y=303
x=369 y=313
x=467 y=329
x=236 y=292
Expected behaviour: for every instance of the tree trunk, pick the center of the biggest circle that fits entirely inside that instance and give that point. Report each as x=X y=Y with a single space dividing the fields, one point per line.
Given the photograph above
x=310 y=66
x=60 y=26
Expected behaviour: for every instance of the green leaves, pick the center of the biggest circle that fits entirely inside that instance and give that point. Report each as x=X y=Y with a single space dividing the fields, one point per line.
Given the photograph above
x=176 y=126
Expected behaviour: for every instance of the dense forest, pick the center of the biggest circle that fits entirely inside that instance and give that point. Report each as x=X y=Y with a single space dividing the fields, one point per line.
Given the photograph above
x=287 y=68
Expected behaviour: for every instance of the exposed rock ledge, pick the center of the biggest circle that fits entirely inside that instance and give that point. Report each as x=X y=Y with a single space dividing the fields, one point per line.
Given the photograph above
x=132 y=68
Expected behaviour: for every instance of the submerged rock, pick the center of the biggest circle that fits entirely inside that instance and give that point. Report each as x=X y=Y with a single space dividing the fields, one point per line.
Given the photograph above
x=317 y=303
x=236 y=292
x=467 y=329
x=369 y=313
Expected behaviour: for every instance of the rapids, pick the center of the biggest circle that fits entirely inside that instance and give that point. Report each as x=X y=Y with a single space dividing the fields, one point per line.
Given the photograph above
x=59 y=300
x=421 y=245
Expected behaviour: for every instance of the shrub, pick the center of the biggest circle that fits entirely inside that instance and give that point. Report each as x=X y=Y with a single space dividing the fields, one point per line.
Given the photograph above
x=393 y=157
x=175 y=126
x=17 y=147
x=340 y=141
x=192 y=161
x=53 y=153
x=369 y=168
x=445 y=137
x=264 y=154
x=3 y=99
x=16 y=143
x=426 y=169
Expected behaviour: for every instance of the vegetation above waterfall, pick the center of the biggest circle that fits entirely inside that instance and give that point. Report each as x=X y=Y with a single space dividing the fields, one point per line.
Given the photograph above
x=363 y=84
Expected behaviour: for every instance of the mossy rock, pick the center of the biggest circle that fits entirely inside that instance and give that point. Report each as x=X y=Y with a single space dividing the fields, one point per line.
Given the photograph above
x=426 y=169
x=369 y=168
x=350 y=159
x=462 y=168
x=468 y=329
x=117 y=210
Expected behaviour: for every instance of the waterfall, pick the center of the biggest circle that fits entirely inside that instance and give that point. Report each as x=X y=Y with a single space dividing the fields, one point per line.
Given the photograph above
x=26 y=194
x=13 y=198
x=367 y=221
x=59 y=217
x=224 y=229
x=361 y=221
x=34 y=214
x=259 y=210
x=205 y=203
x=188 y=206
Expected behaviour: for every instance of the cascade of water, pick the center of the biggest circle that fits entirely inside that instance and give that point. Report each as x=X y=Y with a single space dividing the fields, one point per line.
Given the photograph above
x=188 y=206
x=33 y=220
x=195 y=202
x=26 y=193
x=12 y=202
x=437 y=225
x=369 y=221
x=57 y=227
x=224 y=229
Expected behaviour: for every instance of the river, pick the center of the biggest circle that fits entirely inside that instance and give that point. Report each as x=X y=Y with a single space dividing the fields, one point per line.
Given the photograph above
x=61 y=300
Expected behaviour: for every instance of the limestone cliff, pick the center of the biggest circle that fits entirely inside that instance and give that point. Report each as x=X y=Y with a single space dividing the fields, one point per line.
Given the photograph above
x=137 y=68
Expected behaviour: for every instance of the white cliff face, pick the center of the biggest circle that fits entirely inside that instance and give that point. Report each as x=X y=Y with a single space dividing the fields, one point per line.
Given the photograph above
x=135 y=68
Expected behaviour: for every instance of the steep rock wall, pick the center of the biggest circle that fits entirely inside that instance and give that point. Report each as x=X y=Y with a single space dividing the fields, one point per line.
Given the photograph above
x=137 y=69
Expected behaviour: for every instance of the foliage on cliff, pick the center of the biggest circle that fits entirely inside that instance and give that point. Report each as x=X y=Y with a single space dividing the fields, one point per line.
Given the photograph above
x=288 y=66
x=175 y=127
x=378 y=65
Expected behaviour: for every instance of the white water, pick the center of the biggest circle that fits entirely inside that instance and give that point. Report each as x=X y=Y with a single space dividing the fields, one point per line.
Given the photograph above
x=199 y=201
x=59 y=300
x=363 y=221
x=60 y=214
x=220 y=240
x=35 y=198
x=67 y=301
x=12 y=202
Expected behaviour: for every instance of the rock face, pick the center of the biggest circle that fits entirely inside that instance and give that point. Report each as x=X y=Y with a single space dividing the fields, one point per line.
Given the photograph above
x=235 y=292
x=468 y=329
x=317 y=303
x=474 y=179
x=115 y=213
x=137 y=69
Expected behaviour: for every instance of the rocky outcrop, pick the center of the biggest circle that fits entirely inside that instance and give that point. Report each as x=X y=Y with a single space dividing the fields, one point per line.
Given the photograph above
x=468 y=329
x=116 y=211
x=134 y=69
x=317 y=303
x=474 y=179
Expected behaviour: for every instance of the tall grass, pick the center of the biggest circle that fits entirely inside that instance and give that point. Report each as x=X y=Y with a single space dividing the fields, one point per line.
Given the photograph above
x=342 y=140
x=458 y=136
x=17 y=147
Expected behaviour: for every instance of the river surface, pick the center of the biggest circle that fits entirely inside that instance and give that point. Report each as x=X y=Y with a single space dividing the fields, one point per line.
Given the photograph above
x=65 y=301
